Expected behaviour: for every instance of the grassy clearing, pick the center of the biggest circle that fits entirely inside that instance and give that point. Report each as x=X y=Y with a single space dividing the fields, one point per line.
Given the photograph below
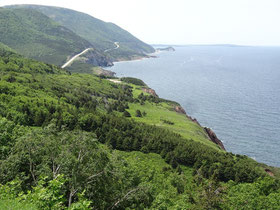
x=163 y=115
x=159 y=114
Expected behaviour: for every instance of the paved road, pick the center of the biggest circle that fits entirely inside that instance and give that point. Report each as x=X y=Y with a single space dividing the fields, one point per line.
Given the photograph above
x=74 y=57
x=117 y=46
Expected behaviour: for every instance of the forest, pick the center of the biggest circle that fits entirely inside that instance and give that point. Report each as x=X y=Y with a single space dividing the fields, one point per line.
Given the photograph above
x=79 y=141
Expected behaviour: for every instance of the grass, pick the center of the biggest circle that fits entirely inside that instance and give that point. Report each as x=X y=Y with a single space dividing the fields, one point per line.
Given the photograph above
x=157 y=114
x=160 y=113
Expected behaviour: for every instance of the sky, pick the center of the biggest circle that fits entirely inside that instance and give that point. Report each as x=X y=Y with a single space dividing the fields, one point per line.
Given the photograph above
x=242 y=22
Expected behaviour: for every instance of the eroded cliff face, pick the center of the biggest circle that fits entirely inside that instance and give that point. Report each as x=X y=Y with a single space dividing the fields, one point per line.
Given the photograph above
x=97 y=59
x=150 y=91
x=210 y=133
x=194 y=120
x=180 y=109
x=269 y=172
x=213 y=137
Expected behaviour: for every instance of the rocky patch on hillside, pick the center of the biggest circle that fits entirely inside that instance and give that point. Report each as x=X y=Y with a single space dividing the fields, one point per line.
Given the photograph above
x=213 y=137
x=150 y=91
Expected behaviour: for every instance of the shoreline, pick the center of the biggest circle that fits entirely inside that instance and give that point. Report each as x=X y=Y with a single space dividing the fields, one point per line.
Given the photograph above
x=107 y=72
x=179 y=109
x=136 y=58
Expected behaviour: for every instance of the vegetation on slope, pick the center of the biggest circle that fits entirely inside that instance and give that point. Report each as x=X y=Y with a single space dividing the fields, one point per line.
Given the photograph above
x=100 y=34
x=64 y=143
x=34 y=35
x=134 y=81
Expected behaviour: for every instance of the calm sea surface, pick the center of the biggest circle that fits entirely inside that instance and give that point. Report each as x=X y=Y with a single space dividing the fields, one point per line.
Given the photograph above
x=233 y=90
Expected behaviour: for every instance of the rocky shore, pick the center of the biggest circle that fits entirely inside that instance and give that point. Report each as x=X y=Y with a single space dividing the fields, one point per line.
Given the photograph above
x=177 y=108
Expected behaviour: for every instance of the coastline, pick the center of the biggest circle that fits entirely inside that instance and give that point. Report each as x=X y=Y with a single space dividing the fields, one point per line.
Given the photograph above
x=136 y=58
x=208 y=131
x=234 y=138
x=179 y=109
x=105 y=71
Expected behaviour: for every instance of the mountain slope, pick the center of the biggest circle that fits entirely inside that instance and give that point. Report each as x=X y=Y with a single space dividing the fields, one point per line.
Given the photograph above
x=101 y=34
x=4 y=47
x=34 y=35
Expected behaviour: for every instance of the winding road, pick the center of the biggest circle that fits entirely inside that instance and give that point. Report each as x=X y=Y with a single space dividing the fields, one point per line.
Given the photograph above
x=117 y=46
x=74 y=57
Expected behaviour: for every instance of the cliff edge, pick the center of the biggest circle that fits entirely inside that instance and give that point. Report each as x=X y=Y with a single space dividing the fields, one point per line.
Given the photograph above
x=177 y=108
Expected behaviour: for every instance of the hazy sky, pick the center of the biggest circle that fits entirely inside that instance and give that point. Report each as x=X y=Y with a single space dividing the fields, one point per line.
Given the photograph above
x=245 y=22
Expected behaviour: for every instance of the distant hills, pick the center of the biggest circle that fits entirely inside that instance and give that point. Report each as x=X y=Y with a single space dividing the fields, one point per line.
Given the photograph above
x=34 y=35
x=101 y=35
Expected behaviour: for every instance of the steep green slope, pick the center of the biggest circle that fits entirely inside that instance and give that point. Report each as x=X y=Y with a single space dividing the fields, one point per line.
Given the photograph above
x=34 y=35
x=101 y=34
x=64 y=142
x=4 y=47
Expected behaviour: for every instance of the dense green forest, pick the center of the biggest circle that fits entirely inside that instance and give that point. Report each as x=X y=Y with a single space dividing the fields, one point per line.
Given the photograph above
x=79 y=141
x=100 y=34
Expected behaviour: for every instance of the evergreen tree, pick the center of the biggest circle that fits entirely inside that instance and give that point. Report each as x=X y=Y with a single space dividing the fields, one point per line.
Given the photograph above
x=138 y=113
x=126 y=114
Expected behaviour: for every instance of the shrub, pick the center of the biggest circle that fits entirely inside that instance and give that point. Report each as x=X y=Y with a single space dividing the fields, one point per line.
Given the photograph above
x=138 y=113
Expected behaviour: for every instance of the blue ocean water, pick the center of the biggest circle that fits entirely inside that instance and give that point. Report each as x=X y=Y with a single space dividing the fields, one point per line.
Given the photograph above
x=233 y=90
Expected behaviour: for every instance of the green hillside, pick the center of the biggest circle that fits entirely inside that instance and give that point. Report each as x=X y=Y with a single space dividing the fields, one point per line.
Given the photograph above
x=5 y=47
x=99 y=33
x=77 y=141
x=34 y=35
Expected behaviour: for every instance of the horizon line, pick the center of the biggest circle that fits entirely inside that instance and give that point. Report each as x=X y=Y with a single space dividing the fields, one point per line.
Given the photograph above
x=230 y=45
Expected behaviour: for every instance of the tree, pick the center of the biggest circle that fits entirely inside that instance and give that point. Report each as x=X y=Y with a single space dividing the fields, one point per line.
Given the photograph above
x=126 y=114
x=51 y=153
x=138 y=113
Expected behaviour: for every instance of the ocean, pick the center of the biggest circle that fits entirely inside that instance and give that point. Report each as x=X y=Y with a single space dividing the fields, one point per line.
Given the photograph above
x=234 y=90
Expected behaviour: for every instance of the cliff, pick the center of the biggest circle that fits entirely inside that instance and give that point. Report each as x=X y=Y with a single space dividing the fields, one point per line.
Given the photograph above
x=96 y=58
x=210 y=133
x=213 y=137
x=177 y=108
x=150 y=91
